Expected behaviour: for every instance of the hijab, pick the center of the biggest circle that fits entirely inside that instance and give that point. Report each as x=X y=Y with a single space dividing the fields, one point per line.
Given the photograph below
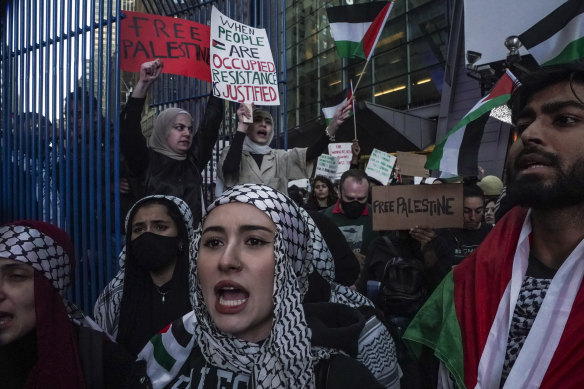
x=48 y=250
x=255 y=148
x=162 y=126
x=286 y=358
x=124 y=308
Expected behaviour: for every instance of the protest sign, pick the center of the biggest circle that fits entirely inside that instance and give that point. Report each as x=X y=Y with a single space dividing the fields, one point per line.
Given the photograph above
x=342 y=152
x=411 y=164
x=326 y=165
x=242 y=66
x=402 y=207
x=380 y=166
x=182 y=45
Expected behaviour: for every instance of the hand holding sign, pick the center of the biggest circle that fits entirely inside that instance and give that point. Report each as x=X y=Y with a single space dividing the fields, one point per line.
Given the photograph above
x=149 y=72
x=244 y=116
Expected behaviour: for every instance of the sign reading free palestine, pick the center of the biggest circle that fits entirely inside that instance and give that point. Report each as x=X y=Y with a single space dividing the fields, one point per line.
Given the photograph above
x=242 y=66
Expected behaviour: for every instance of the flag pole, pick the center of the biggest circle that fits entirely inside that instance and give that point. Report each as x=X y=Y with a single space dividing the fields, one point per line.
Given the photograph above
x=361 y=75
x=354 y=112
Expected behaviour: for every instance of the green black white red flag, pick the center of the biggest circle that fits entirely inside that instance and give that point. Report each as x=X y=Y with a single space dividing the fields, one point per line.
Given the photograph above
x=333 y=103
x=357 y=28
x=457 y=152
x=558 y=37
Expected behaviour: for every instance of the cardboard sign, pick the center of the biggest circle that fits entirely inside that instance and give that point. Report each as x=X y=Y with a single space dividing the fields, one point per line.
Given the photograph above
x=402 y=207
x=380 y=166
x=326 y=166
x=342 y=152
x=411 y=164
x=182 y=45
x=242 y=66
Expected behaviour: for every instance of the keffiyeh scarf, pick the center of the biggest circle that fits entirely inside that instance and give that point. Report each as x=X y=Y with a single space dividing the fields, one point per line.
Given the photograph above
x=107 y=307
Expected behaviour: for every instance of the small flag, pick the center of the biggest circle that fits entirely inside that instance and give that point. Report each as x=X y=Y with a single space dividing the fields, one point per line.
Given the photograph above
x=457 y=152
x=218 y=45
x=558 y=37
x=335 y=102
x=357 y=28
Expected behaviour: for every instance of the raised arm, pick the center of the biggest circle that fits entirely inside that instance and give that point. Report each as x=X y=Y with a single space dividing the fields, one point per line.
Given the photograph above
x=208 y=131
x=233 y=158
x=132 y=142
x=341 y=114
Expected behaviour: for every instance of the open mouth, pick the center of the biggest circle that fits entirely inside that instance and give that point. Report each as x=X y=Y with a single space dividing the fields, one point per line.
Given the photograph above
x=5 y=319
x=263 y=133
x=230 y=295
x=533 y=161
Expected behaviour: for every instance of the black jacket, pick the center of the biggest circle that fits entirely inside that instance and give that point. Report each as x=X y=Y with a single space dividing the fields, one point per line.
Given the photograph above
x=156 y=173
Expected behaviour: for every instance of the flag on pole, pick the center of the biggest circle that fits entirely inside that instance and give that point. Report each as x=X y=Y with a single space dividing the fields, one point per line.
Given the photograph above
x=335 y=102
x=558 y=37
x=357 y=28
x=457 y=152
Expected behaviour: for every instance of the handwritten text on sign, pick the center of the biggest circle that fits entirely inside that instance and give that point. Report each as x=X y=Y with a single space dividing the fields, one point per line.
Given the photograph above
x=342 y=152
x=380 y=166
x=326 y=166
x=401 y=207
x=182 y=44
x=242 y=66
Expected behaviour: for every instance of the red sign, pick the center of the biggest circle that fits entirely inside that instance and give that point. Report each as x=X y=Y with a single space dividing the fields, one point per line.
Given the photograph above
x=182 y=44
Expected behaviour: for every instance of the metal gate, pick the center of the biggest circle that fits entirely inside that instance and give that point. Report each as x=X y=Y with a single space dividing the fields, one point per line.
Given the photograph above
x=60 y=95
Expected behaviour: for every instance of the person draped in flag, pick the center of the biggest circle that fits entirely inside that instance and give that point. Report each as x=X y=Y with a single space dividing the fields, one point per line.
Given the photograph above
x=250 y=327
x=511 y=314
x=250 y=159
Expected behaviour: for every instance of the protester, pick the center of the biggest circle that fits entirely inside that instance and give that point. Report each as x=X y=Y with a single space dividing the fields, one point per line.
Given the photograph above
x=352 y=214
x=45 y=341
x=511 y=314
x=463 y=241
x=248 y=323
x=322 y=194
x=490 y=211
x=151 y=288
x=172 y=159
x=250 y=159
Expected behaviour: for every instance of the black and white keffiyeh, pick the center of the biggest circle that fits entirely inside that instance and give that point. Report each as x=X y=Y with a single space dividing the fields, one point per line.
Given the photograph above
x=107 y=307
x=286 y=358
x=29 y=245
x=21 y=241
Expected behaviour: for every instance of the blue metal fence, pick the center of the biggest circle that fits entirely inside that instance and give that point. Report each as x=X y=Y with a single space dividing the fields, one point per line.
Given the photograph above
x=59 y=122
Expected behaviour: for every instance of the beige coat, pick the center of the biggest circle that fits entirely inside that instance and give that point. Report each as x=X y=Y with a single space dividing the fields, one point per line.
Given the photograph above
x=278 y=167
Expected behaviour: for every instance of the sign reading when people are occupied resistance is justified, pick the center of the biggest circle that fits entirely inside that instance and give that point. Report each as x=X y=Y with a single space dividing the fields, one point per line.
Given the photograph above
x=242 y=66
x=402 y=207
x=182 y=45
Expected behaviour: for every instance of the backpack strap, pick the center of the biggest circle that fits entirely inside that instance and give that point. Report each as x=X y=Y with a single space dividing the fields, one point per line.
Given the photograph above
x=91 y=355
x=390 y=245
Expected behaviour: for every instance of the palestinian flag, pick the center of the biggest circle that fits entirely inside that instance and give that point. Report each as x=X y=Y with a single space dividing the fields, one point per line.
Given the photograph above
x=456 y=320
x=457 y=152
x=357 y=28
x=167 y=351
x=559 y=37
x=333 y=103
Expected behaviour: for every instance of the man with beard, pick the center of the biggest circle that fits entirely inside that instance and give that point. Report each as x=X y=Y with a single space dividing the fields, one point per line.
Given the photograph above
x=510 y=316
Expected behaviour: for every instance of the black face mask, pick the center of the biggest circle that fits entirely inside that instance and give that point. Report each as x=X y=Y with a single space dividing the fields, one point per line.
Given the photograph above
x=353 y=209
x=152 y=251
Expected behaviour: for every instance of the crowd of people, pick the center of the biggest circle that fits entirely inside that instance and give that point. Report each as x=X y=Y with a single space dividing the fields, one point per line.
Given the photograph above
x=259 y=289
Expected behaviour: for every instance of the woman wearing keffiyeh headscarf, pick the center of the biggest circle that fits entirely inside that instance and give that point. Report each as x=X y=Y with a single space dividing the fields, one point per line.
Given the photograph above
x=151 y=288
x=250 y=159
x=171 y=161
x=45 y=341
x=254 y=253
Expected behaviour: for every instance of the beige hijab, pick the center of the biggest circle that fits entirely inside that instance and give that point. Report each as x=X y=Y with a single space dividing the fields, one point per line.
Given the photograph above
x=162 y=125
